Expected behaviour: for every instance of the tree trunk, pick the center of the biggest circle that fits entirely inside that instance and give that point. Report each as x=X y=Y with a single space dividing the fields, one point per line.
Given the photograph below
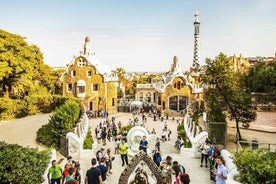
x=6 y=90
x=238 y=136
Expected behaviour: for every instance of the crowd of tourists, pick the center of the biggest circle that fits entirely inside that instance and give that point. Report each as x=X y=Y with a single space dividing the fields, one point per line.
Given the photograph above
x=101 y=162
x=211 y=154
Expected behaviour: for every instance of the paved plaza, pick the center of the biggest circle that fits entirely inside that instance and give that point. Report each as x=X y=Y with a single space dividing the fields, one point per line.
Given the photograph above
x=23 y=131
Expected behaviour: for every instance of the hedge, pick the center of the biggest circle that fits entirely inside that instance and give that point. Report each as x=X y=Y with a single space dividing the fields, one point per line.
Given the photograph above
x=63 y=120
x=30 y=105
x=23 y=164
x=256 y=166
x=88 y=141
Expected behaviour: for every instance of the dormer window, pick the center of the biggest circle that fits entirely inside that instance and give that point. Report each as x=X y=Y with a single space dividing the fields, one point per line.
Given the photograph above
x=73 y=73
x=89 y=73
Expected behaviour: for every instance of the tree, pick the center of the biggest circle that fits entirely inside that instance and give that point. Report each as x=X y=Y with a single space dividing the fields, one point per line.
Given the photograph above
x=120 y=72
x=19 y=63
x=230 y=87
x=261 y=77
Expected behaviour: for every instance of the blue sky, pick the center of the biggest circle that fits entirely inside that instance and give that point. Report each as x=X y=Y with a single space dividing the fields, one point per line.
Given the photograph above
x=143 y=35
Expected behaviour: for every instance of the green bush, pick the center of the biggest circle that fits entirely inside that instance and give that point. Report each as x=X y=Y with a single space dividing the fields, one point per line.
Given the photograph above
x=180 y=126
x=26 y=165
x=128 y=127
x=9 y=108
x=88 y=141
x=188 y=144
x=63 y=120
x=256 y=166
x=182 y=134
x=30 y=105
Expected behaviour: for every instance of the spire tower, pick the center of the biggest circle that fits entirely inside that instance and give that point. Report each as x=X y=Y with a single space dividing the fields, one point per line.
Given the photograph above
x=196 y=44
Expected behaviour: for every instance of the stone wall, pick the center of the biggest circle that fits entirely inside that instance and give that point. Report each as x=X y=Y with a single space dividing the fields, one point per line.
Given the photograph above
x=195 y=136
x=76 y=138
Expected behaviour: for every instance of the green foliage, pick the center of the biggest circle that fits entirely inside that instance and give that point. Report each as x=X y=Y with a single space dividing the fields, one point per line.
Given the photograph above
x=88 y=141
x=180 y=126
x=188 y=144
x=26 y=165
x=120 y=94
x=22 y=69
x=128 y=127
x=181 y=131
x=261 y=77
x=63 y=120
x=196 y=115
x=229 y=91
x=9 y=108
x=30 y=105
x=256 y=166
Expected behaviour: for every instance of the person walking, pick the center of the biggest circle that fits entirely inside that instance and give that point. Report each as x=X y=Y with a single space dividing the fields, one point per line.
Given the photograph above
x=54 y=173
x=123 y=152
x=167 y=170
x=156 y=156
x=144 y=144
x=221 y=172
x=103 y=170
x=204 y=152
x=108 y=160
x=93 y=175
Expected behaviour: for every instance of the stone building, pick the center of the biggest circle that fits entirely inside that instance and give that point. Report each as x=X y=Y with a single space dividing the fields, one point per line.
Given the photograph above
x=93 y=83
x=240 y=64
x=173 y=93
x=176 y=90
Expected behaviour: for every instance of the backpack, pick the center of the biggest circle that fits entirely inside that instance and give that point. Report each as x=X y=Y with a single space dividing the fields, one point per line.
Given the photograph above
x=98 y=155
x=158 y=158
x=181 y=168
x=216 y=152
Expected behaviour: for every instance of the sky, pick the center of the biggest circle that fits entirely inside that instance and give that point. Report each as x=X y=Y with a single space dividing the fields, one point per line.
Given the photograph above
x=143 y=35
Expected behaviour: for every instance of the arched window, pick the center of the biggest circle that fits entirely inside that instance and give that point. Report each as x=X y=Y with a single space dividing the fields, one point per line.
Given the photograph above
x=73 y=73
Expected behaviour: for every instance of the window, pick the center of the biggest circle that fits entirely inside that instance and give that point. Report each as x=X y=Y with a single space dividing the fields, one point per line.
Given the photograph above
x=178 y=103
x=173 y=103
x=113 y=102
x=69 y=87
x=159 y=100
x=178 y=85
x=90 y=106
x=89 y=73
x=80 y=89
x=96 y=87
x=73 y=73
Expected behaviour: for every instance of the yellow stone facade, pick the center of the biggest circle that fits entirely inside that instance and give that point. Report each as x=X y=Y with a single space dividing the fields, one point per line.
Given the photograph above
x=240 y=64
x=82 y=80
x=173 y=94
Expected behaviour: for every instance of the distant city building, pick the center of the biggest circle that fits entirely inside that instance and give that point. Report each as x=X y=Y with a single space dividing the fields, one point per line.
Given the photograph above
x=255 y=60
x=240 y=64
x=93 y=83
